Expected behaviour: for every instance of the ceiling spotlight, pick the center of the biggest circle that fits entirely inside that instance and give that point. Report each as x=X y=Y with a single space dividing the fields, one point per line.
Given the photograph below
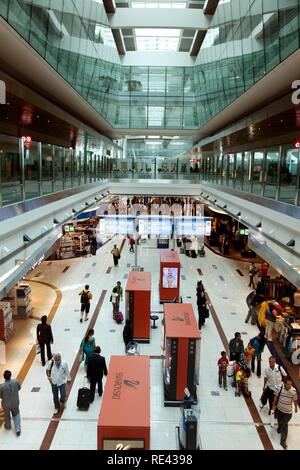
x=87 y=204
x=239 y=214
x=291 y=242
x=26 y=238
x=102 y=195
x=96 y=199
x=225 y=205
x=55 y=221
x=258 y=225
x=107 y=192
x=74 y=211
x=201 y=194
x=215 y=200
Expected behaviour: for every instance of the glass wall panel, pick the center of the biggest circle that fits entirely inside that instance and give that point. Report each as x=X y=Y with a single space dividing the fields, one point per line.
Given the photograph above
x=289 y=171
x=246 y=175
x=69 y=168
x=257 y=172
x=271 y=173
x=31 y=169
x=231 y=170
x=47 y=169
x=59 y=168
x=220 y=169
x=10 y=170
x=238 y=171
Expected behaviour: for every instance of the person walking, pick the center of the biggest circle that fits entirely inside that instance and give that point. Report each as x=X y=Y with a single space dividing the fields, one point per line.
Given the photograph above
x=222 y=365
x=252 y=273
x=120 y=291
x=9 y=394
x=201 y=304
x=258 y=343
x=87 y=347
x=45 y=338
x=94 y=246
x=127 y=333
x=131 y=244
x=96 y=368
x=273 y=376
x=270 y=319
x=116 y=255
x=236 y=347
x=58 y=374
x=283 y=404
x=85 y=297
x=114 y=298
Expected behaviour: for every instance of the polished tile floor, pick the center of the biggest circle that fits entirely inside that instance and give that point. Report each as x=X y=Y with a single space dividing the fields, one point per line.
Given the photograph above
x=225 y=420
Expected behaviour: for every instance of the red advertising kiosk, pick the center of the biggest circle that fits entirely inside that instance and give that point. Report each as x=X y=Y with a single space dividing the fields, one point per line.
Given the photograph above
x=169 y=283
x=125 y=412
x=182 y=352
x=138 y=304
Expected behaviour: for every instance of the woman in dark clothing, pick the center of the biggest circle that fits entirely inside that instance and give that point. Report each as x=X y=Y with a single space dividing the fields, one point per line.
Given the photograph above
x=94 y=246
x=127 y=333
x=201 y=304
x=44 y=337
x=258 y=343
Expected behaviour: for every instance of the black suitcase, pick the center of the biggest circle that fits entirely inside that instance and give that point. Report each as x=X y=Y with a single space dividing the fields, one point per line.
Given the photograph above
x=83 y=399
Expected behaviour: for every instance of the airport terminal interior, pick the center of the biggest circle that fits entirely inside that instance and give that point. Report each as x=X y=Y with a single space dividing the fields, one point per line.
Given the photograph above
x=149 y=207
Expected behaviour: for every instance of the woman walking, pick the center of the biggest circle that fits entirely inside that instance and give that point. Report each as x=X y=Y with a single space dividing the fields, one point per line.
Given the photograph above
x=116 y=255
x=87 y=347
x=114 y=298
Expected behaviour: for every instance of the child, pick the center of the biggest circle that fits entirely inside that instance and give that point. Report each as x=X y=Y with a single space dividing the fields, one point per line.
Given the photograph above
x=242 y=382
x=223 y=364
x=248 y=355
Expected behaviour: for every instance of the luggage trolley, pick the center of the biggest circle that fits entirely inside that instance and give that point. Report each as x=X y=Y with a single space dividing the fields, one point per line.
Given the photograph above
x=188 y=432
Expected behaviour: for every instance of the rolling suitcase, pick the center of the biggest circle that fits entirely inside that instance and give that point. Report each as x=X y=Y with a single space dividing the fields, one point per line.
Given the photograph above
x=119 y=317
x=83 y=398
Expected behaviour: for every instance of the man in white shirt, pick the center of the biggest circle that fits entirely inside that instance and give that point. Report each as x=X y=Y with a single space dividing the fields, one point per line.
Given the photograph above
x=58 y=374
x=273 y=376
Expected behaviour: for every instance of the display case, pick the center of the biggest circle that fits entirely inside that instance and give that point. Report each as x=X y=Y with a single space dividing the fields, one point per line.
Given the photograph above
x=169 y=284
x=138 y=304
x=124 y=418
x=181 y=361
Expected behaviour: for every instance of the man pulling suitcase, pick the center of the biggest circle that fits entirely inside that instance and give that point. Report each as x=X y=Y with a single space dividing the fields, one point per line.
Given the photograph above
x=96 y=368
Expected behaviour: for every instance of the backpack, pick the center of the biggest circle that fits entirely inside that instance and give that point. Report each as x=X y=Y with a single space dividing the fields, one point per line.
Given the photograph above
x=84 y=299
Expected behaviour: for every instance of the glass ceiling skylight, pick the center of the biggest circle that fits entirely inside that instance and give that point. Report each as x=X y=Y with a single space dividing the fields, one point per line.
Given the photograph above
x=156 y=39
x=158 y=5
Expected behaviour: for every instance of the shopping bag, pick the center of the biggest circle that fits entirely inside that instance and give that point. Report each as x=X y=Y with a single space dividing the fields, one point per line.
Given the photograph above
x=37 y=348
x=264 y=398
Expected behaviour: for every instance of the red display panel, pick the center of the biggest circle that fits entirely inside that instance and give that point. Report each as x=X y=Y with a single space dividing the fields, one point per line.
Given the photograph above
x=125 y=411
x=169 y=285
